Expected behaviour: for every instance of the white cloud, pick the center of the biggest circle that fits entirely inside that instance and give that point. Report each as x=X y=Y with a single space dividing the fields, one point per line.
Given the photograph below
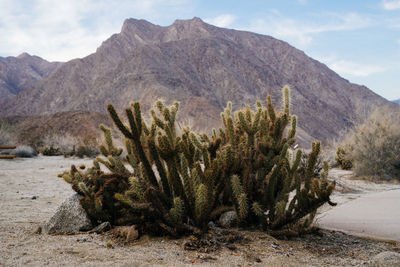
x=391 y=5
x=301 y=33
x=224 y=20
x=62 y=30
x=345 y=67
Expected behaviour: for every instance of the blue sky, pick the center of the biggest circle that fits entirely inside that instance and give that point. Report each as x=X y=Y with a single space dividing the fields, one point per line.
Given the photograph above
x=359 y=39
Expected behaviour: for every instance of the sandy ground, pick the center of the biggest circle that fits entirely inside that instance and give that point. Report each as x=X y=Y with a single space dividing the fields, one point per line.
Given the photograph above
x=30 y=192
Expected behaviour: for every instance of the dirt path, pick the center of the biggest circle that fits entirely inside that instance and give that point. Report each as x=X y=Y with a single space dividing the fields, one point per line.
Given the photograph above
x=30 y=192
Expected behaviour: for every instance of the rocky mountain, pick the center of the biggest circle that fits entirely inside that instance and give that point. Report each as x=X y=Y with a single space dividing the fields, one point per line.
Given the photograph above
x=20 y=73
x=203 y=67
x=396 y=101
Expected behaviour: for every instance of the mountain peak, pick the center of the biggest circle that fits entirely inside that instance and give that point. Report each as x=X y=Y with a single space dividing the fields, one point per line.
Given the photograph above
x=194 y=20
x=24 y=55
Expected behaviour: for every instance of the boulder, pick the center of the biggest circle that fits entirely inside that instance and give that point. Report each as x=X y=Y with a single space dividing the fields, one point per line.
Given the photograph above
x=228 y=219
x=70 y=217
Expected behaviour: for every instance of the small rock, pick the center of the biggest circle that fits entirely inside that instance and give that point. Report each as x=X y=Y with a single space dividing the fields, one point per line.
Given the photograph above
x=70 y=217
x=101 y=228
x=29 y=197
x=128 y=232
x=211 y=224
x=38 y=230
x=387 y=258
x=133 y=234
x=228 y=219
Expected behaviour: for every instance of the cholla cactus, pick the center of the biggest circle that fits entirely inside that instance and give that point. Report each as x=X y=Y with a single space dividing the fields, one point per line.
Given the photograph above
x=177 y=183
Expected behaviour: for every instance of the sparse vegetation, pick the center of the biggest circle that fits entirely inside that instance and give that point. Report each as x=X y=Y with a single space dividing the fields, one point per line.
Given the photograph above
x=176 y=183
x=373 y=148
x=343 y=157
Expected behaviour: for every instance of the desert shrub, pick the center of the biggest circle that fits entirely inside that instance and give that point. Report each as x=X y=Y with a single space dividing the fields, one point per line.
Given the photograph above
x=68 y=145
x=86 y=151
x=50 y=151
x=176 y=183
x=374 y=146
x=58 y=144
x=344 y=158
x=24 y=152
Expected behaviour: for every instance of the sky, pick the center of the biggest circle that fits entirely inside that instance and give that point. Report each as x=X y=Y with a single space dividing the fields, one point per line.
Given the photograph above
x=359 y=39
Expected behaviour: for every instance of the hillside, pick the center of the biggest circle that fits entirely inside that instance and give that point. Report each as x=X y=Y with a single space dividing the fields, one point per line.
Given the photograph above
x=203 y=67
x=20 y=73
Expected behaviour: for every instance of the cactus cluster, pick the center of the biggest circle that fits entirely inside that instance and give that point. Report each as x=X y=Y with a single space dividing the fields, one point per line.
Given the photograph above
x=175 y=181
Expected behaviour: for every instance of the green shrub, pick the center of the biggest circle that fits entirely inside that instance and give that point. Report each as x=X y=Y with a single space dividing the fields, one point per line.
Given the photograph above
x=343 y=158
x=176 y=183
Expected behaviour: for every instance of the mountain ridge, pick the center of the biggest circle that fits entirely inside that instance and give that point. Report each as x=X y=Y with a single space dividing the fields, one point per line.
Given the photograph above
x=20 y=73
x=203 y=67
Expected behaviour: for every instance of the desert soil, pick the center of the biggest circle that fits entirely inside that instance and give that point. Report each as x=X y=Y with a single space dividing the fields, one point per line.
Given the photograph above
x=30 y=192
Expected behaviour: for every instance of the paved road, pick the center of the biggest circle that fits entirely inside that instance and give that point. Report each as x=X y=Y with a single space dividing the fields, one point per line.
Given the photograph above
x=375 y=215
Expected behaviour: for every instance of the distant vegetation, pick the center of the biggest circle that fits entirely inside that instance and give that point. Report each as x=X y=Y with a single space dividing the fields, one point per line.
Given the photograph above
x=373 y=147
x=175 y=182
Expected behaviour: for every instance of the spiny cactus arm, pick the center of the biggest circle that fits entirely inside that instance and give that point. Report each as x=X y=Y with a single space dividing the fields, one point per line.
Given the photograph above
x=141 y=155
x=201 y=203
x=176 y=213
x=131 y=204
x=325 y=170
x=118 y=122
x=188 y=183
x=286 y=100
x=292 y=131
x=160 y=167
x=244 y=122
x=243 y=207
x=312 y=160
x=138 y=117
x=296 y=162
x=135 y=189
x=271 y=109
x=257 y=209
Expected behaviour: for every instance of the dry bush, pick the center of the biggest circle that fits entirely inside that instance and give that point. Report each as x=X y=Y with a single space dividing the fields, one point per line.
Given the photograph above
x=61 y=143
x=374 y=146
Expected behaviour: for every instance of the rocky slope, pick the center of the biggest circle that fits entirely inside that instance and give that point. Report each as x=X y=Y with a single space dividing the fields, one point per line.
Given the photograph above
x=20 y=73
x=203 y=67
x=79 y=124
